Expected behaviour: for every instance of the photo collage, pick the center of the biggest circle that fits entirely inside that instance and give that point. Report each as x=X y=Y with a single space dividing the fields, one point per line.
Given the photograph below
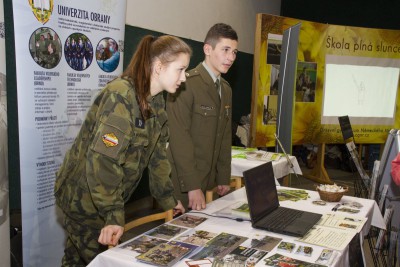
x=305 y=80
x=46 y=50
x=183 y=237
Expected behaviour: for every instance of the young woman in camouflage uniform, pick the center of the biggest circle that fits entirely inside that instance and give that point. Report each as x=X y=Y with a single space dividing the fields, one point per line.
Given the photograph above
x=124 y=132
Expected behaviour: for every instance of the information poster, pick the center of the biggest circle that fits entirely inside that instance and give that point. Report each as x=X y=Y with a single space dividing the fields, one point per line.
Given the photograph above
x=4 y=211
x=340 y=71
x=66 y=51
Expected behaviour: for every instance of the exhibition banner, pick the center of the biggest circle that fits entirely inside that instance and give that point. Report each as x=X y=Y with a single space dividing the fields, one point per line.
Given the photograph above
x=341 y=71
x=4 y=192
x=65 y=52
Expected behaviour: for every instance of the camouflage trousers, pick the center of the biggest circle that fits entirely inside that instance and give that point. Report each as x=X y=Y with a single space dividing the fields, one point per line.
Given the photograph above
x=82 y=246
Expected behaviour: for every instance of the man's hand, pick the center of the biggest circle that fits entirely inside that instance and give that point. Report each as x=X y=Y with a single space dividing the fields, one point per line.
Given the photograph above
x=179 y=209
x=223 y=189
x=110 y=235
x=196 y=200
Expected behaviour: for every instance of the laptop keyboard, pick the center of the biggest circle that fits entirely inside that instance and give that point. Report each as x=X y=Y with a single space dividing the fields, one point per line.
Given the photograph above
x=281 y=218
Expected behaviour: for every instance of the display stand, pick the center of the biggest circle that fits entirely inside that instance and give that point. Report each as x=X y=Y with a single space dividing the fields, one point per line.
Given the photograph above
x=319 y=173
x=362 y=182
x=390 y=195
x=383 y=243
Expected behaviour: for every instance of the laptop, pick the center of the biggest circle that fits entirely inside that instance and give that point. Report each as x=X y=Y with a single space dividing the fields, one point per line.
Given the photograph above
x=265 y=212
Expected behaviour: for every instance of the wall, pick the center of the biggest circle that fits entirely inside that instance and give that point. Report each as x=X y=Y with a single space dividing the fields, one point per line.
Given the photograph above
x=192 y=18
x=366 y=13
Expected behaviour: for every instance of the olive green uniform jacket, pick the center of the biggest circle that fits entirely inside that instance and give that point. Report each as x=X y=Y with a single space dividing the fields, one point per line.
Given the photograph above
x=200 y=134
x=105 y=164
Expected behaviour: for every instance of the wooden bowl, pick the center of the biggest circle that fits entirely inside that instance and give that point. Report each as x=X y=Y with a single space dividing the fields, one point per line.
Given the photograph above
x=332 y=196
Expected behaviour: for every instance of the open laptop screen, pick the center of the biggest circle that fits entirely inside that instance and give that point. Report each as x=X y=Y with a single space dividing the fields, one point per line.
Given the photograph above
x=261 y=190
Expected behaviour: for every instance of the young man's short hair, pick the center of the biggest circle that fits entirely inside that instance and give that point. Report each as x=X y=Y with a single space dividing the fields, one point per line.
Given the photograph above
x=220 y=30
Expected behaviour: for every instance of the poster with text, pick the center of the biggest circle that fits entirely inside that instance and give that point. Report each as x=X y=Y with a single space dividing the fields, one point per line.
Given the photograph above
x=4 y=180
x=66 y=51
x=340 y=71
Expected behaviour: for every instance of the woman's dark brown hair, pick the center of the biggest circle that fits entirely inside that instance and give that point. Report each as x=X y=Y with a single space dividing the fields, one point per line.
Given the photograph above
x=166 y=48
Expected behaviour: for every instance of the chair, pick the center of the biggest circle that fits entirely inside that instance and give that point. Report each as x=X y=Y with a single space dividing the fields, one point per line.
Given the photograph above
x=236 y=183
x=210 y=195
x=166 y=215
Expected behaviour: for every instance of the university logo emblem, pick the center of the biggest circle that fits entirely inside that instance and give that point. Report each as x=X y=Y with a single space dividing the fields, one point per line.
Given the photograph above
x=110 y=140
x=42 y=9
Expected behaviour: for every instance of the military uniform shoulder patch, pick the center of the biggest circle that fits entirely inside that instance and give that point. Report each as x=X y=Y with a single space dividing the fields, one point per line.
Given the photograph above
x=192 y=73
x=110 y=140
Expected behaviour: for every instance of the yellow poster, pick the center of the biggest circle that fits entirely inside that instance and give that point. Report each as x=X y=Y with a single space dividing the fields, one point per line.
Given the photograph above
x=341 y=71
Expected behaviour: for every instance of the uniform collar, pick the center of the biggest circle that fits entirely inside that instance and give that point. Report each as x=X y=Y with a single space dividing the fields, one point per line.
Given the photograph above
x=214 y=78
x=150 y=98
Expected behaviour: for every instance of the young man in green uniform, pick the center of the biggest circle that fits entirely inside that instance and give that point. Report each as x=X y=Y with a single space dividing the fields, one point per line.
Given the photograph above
x=199 y=116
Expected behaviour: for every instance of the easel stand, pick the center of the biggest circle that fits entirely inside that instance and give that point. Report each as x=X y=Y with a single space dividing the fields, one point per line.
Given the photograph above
x=319 y=173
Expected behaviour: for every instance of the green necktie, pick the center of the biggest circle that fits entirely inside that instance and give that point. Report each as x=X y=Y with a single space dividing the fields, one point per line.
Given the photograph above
x=217 y=87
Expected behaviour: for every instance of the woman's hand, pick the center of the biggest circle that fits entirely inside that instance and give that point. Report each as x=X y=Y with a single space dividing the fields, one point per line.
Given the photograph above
x=179 y=208
x=110 y=235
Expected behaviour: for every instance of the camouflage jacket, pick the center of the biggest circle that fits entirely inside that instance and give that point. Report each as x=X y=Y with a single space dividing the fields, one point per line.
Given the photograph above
x=48 y=61
x=105 y=164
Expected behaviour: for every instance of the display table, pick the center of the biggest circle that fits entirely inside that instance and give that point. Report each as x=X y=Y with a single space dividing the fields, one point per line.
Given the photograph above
x=124 y=257
x=281 y=167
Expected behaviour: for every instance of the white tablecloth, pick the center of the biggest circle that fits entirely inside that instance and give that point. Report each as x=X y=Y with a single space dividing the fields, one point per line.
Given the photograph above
x=281 y=167
x=125 y=258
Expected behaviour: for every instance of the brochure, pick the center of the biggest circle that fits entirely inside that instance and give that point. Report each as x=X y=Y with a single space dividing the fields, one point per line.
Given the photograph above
x=280 y=260
x=196 y=237
x=166 y=231
x=242 y=210
x=142 y=244
x=262 y=242
x=241 y=256
x=164 y=254
x=238 y=209
x=219 y=246
x=334 y=231
x=187 y=220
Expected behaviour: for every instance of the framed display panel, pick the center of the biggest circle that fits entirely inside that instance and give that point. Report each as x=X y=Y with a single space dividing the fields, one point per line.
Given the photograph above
x=370 y=59
x=387 y=153
x=388 y=193
x=287 y=75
